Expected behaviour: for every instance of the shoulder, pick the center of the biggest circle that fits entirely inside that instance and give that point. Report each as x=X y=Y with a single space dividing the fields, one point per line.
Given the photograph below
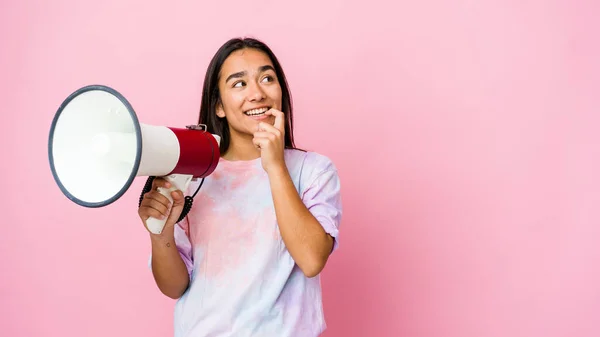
x=308 y=160
x=308 y=165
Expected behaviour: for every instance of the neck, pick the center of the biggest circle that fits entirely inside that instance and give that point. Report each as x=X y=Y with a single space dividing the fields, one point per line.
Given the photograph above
x=241 y=149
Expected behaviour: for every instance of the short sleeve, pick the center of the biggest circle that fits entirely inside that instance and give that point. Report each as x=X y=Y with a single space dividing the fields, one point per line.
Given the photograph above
x=184 y=246
x=323 y=199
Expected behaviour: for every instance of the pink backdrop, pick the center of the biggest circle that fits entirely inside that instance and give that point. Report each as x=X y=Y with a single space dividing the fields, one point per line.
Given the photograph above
x=466 y=133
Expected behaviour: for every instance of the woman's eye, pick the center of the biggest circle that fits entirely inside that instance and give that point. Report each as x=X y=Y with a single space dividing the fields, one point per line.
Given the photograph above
x=268 y=79
x=238 y=84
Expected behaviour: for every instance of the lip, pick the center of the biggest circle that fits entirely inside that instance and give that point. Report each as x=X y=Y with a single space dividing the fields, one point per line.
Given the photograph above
x=257 y=107
x=259 y=117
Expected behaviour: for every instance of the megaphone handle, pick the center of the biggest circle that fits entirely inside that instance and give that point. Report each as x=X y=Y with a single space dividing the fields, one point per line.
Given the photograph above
x=178 y=182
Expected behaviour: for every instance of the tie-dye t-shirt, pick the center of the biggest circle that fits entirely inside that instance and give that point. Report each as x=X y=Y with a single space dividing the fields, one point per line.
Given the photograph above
x=243 y=281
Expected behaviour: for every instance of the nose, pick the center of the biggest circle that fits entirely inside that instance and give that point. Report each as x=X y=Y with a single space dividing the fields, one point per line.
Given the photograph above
x=255 y=93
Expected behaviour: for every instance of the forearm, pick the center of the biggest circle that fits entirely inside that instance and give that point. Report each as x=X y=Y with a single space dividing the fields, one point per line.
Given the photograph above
x=169 y=270
x=306 y=240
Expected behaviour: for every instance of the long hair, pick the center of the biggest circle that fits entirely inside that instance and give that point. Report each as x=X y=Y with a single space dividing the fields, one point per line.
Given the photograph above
x=211 y=96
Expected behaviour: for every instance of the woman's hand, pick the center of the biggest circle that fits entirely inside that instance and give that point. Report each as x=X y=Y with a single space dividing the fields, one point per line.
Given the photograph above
x=270 y=139
x=156 y=205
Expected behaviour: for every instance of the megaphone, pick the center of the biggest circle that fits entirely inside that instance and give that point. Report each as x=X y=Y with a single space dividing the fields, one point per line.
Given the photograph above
x=97 y=147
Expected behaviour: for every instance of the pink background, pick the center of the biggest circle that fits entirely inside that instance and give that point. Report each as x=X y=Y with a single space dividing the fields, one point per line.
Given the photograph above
x=466 y=133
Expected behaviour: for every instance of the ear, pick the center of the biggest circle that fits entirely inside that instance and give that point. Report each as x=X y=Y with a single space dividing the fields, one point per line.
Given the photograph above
x=220 y=111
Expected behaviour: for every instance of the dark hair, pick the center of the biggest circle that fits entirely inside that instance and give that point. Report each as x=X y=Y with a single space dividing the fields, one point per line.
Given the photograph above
x=211 y=96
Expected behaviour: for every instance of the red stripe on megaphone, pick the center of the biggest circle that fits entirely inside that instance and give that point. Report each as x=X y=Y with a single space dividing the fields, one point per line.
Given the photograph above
x=198 y=152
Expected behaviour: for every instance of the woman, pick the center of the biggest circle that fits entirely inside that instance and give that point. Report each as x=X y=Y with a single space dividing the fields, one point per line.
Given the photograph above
x=245 y=260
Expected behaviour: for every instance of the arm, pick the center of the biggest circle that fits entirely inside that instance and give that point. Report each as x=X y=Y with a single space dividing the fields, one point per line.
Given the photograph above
x=303 y=235
x=169 y=270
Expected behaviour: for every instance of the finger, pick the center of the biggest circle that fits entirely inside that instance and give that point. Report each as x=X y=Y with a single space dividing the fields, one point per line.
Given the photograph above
x=158 y=204
x=155 y=195
x=279 y=119
x=178 y=198
x=265 y=134
x=148 y=212
x=173 y=216
x=175 y=212
x=155 y=210
x=261 y=142
x=155 y=205
x=160 y=182
x=266 y=127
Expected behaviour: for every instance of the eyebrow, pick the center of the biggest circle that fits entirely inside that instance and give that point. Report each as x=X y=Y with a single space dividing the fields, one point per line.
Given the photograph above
x=243 y=73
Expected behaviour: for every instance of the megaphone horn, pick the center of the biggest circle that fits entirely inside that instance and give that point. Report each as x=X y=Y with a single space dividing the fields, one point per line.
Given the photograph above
x=97 y=147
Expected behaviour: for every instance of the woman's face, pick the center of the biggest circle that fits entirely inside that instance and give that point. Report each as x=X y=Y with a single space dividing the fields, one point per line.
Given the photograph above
x=249 y=87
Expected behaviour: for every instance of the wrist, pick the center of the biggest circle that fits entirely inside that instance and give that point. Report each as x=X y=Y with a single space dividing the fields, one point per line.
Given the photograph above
x=166 y=237
x=277 y=171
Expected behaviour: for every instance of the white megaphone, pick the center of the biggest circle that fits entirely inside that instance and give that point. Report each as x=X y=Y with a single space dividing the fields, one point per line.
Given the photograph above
x=97 y=147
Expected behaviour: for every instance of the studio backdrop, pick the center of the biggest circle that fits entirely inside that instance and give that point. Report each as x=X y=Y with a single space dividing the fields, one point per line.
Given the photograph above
x=465 y=133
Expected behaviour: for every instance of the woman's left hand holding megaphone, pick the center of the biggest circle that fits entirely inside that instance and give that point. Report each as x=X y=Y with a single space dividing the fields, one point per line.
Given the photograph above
x=156 y=205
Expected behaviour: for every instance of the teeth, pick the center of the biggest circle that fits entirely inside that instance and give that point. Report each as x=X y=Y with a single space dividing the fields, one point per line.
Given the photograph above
x=255 y=112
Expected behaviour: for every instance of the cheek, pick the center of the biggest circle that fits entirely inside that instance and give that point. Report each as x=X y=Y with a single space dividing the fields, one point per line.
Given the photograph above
x=233 y=102
x=237 y=100
x=275 y=94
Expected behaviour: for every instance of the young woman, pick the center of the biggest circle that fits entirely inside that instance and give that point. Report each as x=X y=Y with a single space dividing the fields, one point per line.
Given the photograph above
x=246 y=259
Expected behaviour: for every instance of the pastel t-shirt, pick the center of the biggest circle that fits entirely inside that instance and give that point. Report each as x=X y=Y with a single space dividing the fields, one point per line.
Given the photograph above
x=243 y=281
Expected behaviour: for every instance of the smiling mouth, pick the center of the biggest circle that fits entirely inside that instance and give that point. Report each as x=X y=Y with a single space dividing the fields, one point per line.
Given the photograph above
x=257 y=112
